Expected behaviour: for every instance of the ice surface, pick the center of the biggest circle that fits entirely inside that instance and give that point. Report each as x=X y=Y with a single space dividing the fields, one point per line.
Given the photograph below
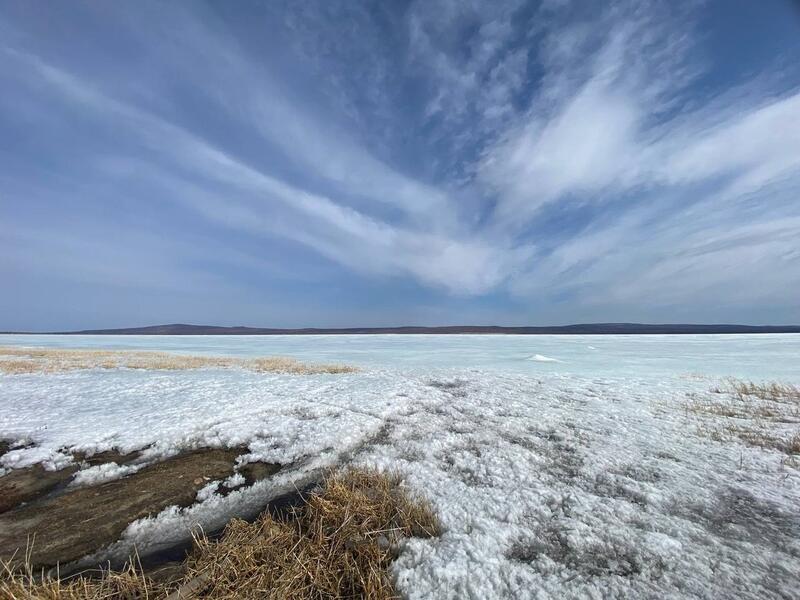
x=756 y=356
x=542 y=358
x=584 y=478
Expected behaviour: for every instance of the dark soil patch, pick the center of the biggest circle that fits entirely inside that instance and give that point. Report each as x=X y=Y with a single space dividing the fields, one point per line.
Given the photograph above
x=24 y=485
x=35 y=482
x=252 y=472
x=257 y=471
x=81 y=521
x=108 y=456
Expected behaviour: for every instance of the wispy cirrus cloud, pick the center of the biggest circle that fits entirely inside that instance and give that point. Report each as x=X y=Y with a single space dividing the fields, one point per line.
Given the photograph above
x=627 y=119
x=693 y=194
x=248 y=199
x=585 y=159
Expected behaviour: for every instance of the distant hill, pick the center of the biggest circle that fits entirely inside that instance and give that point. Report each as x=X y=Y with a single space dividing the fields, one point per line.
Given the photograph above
x=588 y=328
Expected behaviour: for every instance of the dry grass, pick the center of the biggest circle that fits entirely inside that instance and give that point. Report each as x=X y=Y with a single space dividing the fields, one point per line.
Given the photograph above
x=339 y=544
x=756 y=435
x=15 y=361
x=277 y=364
x=774 y=392
x=127 y=584
x=741 y=409
x=746 y=400
x=793 y=446
x=757 y=414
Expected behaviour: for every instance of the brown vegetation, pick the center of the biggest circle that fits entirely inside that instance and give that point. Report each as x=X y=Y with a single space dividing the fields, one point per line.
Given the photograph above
x=339 y=544
x=56 y=360
x=775 y=392
x=758 y=414
x=129 y=584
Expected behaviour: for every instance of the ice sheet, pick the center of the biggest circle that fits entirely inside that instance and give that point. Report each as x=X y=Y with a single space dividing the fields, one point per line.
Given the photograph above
x=585 y=478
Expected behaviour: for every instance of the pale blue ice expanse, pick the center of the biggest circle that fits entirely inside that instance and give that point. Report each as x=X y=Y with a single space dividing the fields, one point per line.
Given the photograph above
x=761 y=357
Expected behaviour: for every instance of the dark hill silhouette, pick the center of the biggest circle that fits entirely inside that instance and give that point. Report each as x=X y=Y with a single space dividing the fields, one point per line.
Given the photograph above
x=587 y=328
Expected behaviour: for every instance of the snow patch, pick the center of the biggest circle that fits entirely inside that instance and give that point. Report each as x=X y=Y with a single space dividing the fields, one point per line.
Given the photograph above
x=234 y=481
x=543 y=359
x=101 y=474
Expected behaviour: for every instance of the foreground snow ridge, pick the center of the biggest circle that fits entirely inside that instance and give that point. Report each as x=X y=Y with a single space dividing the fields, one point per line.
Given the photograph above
x=546 y=485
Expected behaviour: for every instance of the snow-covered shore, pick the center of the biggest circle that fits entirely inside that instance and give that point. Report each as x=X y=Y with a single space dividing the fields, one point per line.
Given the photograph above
x=548 y=485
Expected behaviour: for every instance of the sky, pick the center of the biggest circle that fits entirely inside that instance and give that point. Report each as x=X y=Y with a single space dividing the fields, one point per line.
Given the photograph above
x=344 y=163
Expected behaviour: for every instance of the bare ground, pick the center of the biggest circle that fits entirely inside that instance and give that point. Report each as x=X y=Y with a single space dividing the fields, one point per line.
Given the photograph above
x=77 y=522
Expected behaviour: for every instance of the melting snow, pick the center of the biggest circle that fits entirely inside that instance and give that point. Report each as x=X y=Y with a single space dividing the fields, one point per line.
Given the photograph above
x=549 y=484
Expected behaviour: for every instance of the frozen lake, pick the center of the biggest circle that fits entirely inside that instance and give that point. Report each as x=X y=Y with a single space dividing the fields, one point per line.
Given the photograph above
x=751 y=356
x=560 y=466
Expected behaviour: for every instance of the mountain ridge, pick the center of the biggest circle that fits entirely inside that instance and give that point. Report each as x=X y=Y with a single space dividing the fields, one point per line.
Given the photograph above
x=575 y=329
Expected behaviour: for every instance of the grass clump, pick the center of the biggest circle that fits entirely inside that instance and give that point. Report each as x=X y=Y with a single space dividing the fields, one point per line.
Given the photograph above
x=757 y=435
x=128 y=584
x=762 y=415
x=793 y=446
x=15 y=361
x=338 y=544
x=773 y=392
x=279 y=364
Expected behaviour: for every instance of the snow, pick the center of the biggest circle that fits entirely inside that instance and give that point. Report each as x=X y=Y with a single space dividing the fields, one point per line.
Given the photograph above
x=585 y=478
x=542 y=358
x=101 y=473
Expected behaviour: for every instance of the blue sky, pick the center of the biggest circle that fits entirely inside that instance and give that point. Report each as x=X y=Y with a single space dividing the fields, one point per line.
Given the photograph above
x=328 y=163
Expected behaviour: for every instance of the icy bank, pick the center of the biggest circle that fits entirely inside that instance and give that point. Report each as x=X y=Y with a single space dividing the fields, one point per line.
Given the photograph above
x=548 y=485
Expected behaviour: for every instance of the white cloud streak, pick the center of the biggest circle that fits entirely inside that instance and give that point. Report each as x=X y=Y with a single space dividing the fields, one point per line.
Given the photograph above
x=690 y=194
x=264 y=205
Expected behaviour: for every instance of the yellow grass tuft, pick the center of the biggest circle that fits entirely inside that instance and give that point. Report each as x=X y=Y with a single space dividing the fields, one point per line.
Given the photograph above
x=775 y=392
x=129 y=583
x=289 y=365
x=339 y=544
x=756 y=435
x=793 y=445
x=15 y=361
x=763 y=415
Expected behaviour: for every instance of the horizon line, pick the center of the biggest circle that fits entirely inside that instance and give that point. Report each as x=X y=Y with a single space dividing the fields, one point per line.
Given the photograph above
x=574 y=328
